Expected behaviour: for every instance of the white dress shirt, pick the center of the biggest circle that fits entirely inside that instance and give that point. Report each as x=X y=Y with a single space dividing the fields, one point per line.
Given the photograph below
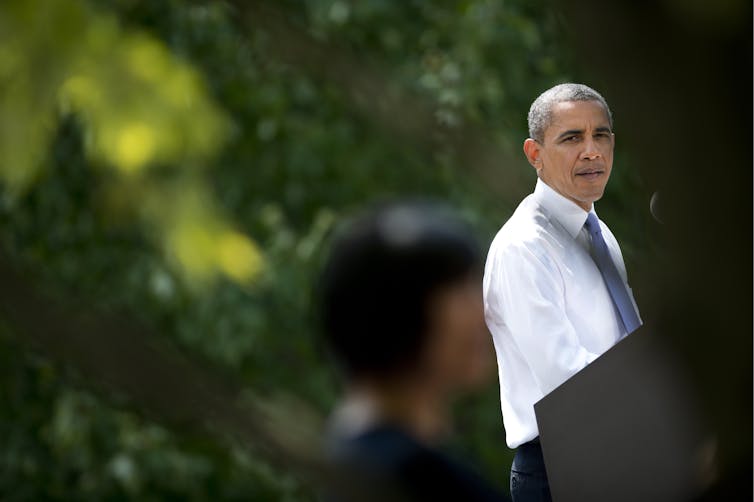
x=546 y=304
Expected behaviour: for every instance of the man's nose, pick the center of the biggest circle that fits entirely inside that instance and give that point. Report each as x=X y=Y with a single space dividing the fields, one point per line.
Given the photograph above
x=591 y=152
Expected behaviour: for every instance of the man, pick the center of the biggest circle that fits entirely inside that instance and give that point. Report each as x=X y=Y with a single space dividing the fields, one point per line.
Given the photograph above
x=555 y=288
x=403 y=318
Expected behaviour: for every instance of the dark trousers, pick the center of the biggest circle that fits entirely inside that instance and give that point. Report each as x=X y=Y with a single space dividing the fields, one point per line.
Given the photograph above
x=528 y=476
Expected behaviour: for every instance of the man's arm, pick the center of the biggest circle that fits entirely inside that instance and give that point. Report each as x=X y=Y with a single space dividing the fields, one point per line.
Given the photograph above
x=525 y=292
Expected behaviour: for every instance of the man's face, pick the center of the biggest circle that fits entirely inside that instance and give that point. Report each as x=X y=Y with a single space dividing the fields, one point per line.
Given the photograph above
x=576 y=156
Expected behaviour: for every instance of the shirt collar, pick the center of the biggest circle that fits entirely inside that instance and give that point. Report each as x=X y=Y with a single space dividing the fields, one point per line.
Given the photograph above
x=567 y=212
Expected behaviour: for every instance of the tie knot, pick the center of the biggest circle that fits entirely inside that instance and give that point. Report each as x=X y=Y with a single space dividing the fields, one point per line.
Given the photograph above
x=592 y=223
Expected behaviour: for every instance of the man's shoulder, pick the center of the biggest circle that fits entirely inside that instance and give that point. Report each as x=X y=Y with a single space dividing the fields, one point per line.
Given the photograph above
x=606 y=231
x=529 y=227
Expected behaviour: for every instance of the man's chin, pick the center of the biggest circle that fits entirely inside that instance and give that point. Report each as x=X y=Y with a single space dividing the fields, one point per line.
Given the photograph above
x=596 y=197
x=586 y=200
x=592 y=196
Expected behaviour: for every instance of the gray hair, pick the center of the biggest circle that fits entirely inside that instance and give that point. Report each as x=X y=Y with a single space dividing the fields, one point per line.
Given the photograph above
x=540 y=113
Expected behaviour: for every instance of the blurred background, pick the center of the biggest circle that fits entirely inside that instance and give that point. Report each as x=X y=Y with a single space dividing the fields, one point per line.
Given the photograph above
x=171 y=171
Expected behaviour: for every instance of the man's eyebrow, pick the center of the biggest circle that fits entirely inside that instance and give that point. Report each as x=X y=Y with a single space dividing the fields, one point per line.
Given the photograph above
x=570 y=132
x=603 y=129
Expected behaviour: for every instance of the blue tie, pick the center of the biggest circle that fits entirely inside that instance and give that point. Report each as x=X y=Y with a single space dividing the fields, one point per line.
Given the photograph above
x=615 y=285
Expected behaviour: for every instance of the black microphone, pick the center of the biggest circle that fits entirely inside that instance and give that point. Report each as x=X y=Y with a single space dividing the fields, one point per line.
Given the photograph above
x=655 y=207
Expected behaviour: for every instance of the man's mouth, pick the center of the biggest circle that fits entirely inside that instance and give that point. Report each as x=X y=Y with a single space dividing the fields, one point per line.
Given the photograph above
x=590 y=174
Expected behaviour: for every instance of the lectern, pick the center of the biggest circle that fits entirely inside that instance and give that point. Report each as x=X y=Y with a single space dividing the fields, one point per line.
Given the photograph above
x=624 y=428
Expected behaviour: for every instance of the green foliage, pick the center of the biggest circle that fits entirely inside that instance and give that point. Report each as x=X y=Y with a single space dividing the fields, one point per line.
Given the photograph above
x=140 y=107
x=296 y=159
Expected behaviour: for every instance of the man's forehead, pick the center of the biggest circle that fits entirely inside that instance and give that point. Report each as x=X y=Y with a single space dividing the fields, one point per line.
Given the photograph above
x=578 y=114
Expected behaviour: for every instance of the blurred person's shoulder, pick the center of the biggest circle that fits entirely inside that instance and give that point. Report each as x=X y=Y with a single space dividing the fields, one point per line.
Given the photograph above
x=387 y=461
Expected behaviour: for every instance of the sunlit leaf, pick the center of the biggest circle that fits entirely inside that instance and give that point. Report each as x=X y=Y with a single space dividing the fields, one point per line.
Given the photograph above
x=140 y=107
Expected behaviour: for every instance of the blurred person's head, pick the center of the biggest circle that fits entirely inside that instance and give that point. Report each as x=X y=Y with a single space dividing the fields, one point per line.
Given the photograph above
x=400 y=299
x=571 y=142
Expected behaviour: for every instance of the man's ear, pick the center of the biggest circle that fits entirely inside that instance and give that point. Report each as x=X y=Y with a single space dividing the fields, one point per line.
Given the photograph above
x=533 y=151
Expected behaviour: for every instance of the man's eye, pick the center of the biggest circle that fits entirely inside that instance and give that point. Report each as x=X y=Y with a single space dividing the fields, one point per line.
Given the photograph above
x=571 y=139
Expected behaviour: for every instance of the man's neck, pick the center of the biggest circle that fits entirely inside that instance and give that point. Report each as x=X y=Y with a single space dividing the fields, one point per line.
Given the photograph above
x=586 y=206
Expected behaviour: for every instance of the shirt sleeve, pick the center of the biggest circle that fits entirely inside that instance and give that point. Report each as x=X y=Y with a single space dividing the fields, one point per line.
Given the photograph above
x=525 y=293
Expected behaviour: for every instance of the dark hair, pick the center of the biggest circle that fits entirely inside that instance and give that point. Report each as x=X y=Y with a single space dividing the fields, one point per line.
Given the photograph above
x=383 y=269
